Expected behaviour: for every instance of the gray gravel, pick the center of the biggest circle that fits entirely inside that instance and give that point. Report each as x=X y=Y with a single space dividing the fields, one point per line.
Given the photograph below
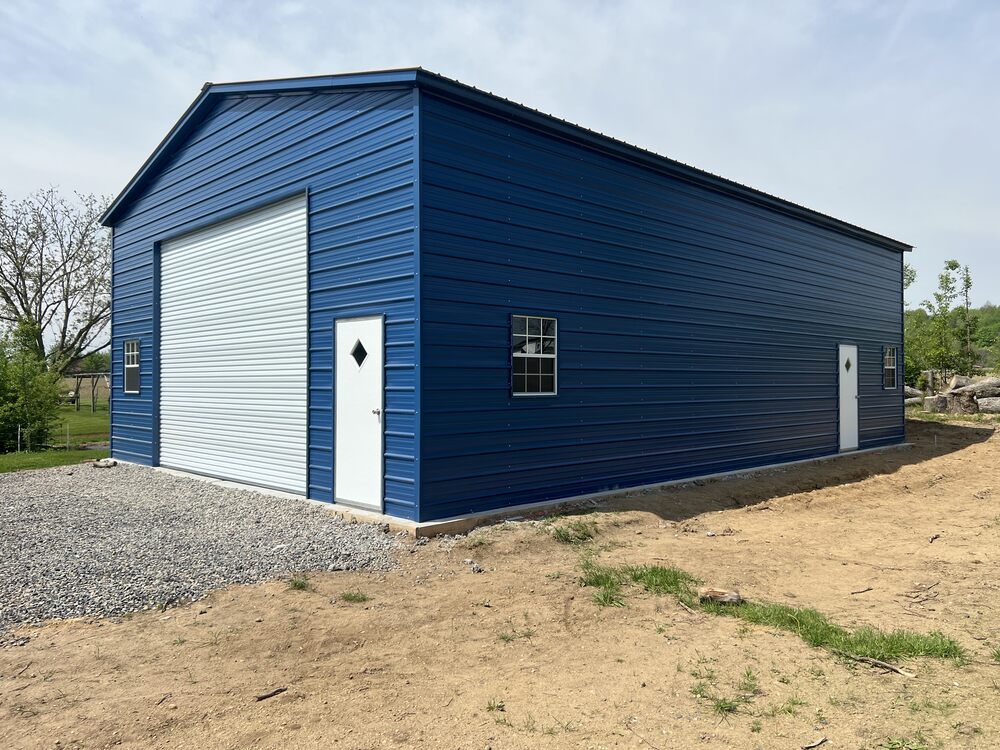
x=78 y=541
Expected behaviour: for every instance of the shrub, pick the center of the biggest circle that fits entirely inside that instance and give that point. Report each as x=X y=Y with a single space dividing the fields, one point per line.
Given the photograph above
x=29 y=395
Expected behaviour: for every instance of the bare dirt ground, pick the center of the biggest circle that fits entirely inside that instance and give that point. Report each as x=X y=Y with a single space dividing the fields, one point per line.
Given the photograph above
x=520 y=656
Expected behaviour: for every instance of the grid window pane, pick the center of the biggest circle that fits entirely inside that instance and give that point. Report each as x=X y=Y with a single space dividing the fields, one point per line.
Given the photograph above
x=889 y=367
x=533 y=355
x=131 y=366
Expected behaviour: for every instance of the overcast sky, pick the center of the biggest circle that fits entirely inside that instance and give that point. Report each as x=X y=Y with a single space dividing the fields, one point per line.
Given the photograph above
x=881 y=113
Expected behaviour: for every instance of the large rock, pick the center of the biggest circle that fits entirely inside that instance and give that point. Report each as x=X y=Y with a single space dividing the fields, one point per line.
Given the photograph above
x=936 y=403
x=912 y=401
x=911 y=392
x=985 y=388
x=990 y=405
x=961 y=401
x=958 y=381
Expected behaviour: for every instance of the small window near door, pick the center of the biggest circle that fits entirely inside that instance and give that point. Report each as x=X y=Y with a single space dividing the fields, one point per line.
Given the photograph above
x=533 y=356
x=889 y=367
x=132 y=366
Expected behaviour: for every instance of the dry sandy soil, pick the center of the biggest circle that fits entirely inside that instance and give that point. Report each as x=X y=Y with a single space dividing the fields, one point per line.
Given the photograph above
x=422 y=662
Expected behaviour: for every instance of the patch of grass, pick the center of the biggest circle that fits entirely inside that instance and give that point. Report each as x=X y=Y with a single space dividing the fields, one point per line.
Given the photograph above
x=789 y=708
x=996 y=654
x=756 y=726
x=355 y=597
x=748 y=683
x=84 y=426
x=608 y=598
x=607 y=581
x=509 y=636
x=47 y=459
x=905 y=743
x=811 y=626
x=725 y=706
x=576 y=531
x=659 y=579
x=701 y=690
x=179 y=641
x=945 y=707
x=299 y=583
x=495 y=705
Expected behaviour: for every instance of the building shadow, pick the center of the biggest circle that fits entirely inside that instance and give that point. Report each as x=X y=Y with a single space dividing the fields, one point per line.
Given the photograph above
x=679 y=502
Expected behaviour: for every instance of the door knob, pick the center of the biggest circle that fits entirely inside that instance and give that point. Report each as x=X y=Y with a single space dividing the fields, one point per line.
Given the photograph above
x=376 y=412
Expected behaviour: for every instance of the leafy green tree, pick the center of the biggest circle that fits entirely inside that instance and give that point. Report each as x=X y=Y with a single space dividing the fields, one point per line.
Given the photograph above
x=941 y=351
x=29 y=391
x=916 y=335
x=966 y=325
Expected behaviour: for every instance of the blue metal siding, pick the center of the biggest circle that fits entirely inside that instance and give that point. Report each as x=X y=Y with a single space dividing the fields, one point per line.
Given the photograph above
x=698 y=331
x=353 y=152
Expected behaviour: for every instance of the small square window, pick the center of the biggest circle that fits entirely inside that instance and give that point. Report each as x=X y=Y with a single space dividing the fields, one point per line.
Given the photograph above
x=533 y=355
x=889 y=367
x=132 y=351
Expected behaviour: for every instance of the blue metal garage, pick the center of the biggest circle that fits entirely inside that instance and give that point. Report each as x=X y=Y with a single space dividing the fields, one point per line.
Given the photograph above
x=399 y=293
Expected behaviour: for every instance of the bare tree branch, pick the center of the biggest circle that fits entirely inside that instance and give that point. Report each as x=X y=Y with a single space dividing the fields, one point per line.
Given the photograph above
x=55 y=271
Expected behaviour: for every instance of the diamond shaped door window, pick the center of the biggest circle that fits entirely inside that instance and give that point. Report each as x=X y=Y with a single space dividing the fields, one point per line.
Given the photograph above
x=359 y=352
x=847 y=364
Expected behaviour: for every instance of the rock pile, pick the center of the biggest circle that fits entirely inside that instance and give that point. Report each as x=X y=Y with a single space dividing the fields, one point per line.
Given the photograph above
x=965 y=396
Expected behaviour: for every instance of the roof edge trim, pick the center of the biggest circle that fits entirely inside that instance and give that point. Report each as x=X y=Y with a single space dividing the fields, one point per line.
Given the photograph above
x=469 y=95
x=400 y=76
x=464 y=93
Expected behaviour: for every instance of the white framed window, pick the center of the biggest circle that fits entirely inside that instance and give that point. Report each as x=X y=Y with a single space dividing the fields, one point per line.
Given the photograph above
x=889 y=367
x=533 y=355
x=132 y=366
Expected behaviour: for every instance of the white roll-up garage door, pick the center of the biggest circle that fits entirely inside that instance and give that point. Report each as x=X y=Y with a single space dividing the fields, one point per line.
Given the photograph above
x=233 y=349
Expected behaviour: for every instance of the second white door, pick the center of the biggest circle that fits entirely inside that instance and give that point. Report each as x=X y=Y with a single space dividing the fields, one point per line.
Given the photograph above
x=359 y=412
x=848 y=386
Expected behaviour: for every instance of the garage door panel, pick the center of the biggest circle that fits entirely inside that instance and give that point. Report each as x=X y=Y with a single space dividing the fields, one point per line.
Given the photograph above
x=233 y=349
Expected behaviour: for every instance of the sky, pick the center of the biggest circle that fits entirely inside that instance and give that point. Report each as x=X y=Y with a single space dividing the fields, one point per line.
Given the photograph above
x=884 y=114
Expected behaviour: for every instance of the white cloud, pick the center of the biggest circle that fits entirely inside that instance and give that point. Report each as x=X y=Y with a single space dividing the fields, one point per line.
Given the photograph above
x=881 y=114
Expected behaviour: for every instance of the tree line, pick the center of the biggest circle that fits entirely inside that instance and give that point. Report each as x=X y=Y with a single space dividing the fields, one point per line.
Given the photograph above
x=946 y=333
x=55 y=305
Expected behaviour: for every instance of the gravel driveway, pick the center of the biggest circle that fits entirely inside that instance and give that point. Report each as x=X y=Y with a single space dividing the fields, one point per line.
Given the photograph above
x=78 y=541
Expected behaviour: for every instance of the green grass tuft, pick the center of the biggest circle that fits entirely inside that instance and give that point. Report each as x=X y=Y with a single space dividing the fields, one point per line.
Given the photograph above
x=748 y=683
x=725 y=706
x=577 y=531
x=996 y=654
x=299 y=583
x=354 y=597
x=811 y=626
x=658 y=579
x=608 y=598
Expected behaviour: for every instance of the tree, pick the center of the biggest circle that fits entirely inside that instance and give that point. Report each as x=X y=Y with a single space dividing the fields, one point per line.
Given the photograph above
x=940 y=349
x=966 y=327
x=29 y=391
x=55 y=263
x=909 y=276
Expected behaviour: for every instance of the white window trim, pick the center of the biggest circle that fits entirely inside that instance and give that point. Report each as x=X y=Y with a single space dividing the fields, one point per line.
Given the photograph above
x=131 y=362
x=895 y=367
x=524 y=355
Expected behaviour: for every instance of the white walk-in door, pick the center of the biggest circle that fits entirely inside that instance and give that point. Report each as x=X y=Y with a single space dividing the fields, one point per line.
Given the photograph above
x=233 y=364
x=358 y=412
x=848 y=385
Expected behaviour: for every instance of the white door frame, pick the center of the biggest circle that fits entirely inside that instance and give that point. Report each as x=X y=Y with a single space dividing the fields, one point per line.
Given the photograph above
x=376 y=411
x=847 y=396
